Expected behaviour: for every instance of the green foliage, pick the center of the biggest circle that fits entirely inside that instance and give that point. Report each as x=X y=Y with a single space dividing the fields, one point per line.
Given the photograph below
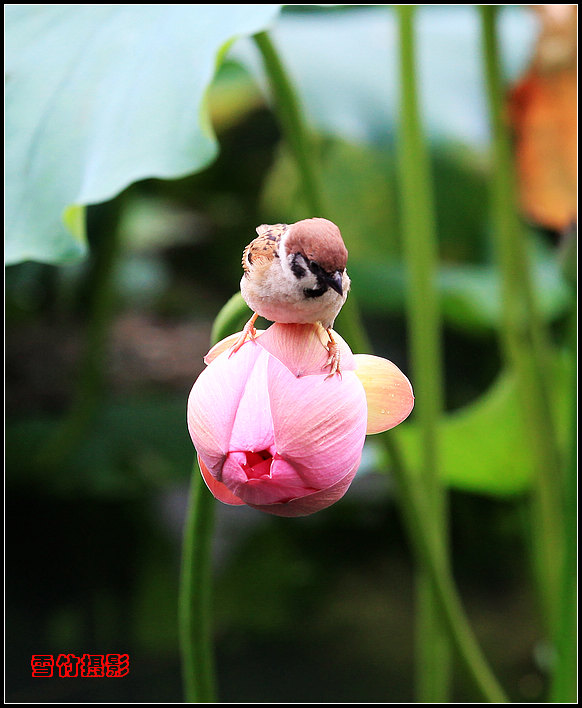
x=482 y=445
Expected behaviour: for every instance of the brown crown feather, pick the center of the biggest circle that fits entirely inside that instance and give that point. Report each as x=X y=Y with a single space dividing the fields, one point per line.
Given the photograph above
x=318 y=240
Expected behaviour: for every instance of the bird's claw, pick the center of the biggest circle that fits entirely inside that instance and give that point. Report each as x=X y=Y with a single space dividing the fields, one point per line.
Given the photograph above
x=247 y=331
x=333 y=361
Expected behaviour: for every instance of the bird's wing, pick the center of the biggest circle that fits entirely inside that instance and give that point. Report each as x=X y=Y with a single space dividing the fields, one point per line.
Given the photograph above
x=265 y=247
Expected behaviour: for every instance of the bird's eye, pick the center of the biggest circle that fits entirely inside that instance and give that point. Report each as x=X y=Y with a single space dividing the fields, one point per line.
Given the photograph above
x=296 y=268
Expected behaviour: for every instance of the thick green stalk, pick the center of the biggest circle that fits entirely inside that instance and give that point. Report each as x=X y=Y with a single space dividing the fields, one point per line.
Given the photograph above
x=195 y=599
x=417 y=519
x=296 y=134
x=564 y=679
x=421 y=255
x=524 y=338
x=231 y=318
x=292 y=124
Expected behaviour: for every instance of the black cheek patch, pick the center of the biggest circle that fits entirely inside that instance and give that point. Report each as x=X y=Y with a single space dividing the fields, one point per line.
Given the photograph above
x=316 y=292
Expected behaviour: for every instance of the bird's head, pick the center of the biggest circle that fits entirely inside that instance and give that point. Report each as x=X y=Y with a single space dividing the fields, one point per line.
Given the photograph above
x=314 y=254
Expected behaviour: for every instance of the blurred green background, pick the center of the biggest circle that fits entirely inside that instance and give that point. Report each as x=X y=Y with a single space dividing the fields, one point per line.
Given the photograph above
x=318 y=609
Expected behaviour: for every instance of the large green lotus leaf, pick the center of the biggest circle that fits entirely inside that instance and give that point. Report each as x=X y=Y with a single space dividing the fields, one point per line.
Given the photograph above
x=99 y=96
x=484 y=447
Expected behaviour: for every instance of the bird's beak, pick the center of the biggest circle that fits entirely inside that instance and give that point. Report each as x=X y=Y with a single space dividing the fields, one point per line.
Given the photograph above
x=334 y=280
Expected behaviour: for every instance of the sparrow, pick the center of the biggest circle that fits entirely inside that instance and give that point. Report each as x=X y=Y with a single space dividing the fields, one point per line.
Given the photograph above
x=296 y=273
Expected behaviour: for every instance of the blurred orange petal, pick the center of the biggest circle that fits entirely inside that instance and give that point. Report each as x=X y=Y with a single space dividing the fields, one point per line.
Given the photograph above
x=388 y=392
x=544 y=117
x=543 y=112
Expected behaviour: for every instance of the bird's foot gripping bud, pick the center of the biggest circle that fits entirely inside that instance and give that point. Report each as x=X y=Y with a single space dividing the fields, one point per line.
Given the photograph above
x=334 y=356
x=248 y=331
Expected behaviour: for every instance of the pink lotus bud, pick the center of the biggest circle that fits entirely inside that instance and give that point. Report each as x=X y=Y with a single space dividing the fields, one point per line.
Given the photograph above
x=273 y=431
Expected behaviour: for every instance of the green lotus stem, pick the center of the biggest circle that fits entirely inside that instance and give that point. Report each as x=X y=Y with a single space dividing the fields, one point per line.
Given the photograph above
x=231 y=318
x=564 y=685
x=419 y=525
x=524 y=338
x=292 y=123
x=195 y=596
x=424 y=324
x=295 y=132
